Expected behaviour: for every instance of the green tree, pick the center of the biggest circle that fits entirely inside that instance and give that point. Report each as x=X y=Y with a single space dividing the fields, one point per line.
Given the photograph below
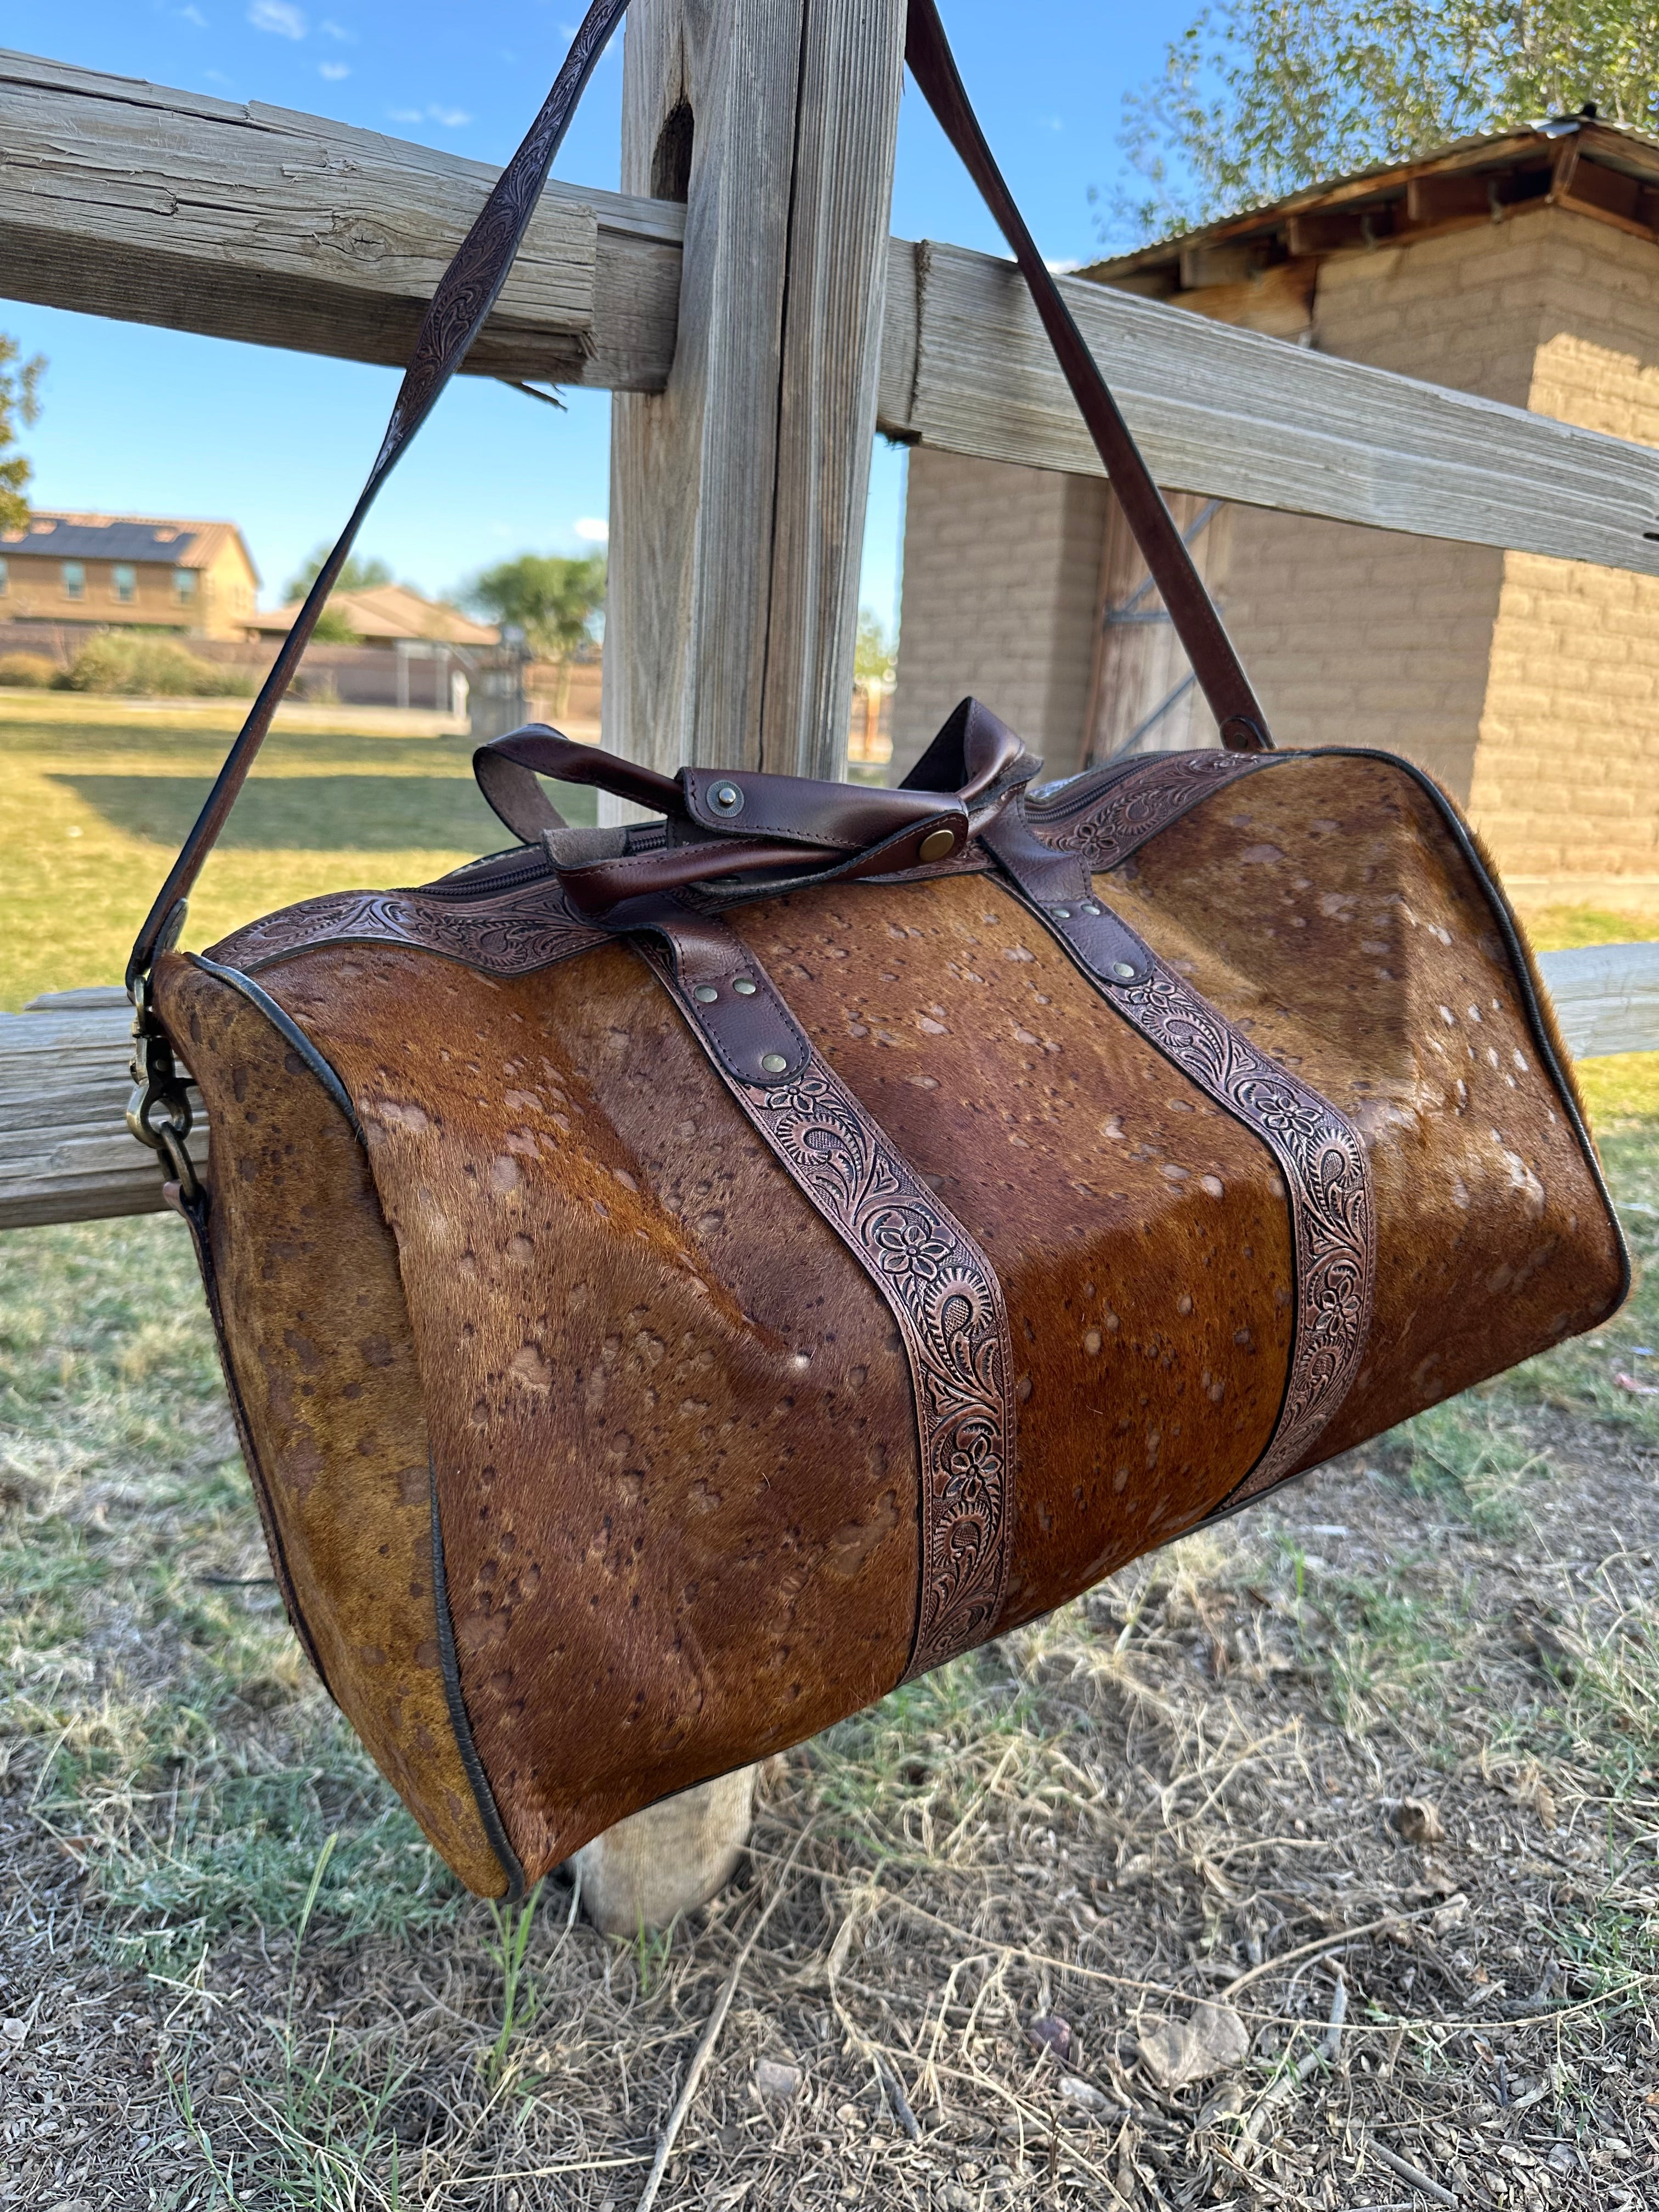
x=874 y=657
x=19 y=402
x=556 y=601
x=1259 y=98
x=357 y=575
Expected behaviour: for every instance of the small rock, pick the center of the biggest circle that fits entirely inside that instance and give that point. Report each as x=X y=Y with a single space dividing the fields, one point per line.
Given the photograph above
x=773 y=2078
x=1050 y=2033
x=1418 y=1821
x=1176 y=2051
x=13 y=2031
x=1076 y=2090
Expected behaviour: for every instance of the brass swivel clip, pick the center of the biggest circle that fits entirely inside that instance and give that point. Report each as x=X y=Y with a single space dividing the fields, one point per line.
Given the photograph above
x=158 y=1112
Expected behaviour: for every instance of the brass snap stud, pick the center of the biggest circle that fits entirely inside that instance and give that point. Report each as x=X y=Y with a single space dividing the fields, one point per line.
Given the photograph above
x=773 y=1062
x=727 y=797
x=1123 y=971
x=743 y=987
x=706 y=993
x=937 y=845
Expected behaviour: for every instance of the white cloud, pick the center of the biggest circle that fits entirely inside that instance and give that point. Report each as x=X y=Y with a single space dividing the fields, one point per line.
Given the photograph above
x=330 y=29
x=592 y=529
x=1049 y=123
x=449 y=118
x=191 y=16
x=333 y=70
x=280 y=17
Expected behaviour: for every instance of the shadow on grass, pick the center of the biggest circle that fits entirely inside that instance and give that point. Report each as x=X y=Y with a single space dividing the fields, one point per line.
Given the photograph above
x=316 y=813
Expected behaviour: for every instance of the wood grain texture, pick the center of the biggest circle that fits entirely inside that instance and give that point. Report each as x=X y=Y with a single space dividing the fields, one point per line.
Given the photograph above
x=1237 y=415
x=1605 y=998
x=737 y=497
x=65 y=1154
x=120 y=198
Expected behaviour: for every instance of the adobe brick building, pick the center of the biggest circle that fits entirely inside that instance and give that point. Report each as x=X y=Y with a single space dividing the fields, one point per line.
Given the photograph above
x=137 y=571
x=1524 y=267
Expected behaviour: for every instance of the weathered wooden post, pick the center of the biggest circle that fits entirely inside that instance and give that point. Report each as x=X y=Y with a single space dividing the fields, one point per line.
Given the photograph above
x=737 y=504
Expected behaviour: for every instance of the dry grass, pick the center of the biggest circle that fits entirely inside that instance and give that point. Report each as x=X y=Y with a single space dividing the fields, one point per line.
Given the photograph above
x=236 y=1976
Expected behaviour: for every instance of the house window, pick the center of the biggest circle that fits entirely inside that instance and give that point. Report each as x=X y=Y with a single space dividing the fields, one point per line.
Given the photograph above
x=75 y=580
x=184 y=585
x=3 y=579
x=124 y=582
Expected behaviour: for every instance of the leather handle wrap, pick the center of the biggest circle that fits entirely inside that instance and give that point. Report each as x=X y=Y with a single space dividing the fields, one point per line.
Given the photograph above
x=469 y=289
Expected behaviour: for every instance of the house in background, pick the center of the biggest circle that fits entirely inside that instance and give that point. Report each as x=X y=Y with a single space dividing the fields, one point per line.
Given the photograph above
x=433 y=654
x=1523 y=266
x=140 y=572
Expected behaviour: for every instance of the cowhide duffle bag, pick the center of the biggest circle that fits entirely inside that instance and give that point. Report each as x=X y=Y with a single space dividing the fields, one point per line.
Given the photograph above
x=676 y=1282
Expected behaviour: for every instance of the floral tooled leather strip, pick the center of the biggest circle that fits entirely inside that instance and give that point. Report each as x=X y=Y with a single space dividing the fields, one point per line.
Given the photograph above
x=511 y=935
x=1135 y=807
x=1328 y=1183
x=1326 y=1176
x=945 y=1296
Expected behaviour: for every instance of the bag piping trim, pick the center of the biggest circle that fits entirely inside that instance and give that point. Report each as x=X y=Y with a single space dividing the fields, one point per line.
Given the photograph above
x=448 y=1659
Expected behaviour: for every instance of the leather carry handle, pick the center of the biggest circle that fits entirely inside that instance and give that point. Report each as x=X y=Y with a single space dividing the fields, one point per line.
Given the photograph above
x=461 y=305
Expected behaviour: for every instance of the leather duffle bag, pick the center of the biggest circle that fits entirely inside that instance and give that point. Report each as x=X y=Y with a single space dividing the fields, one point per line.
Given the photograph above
x=678 y=1281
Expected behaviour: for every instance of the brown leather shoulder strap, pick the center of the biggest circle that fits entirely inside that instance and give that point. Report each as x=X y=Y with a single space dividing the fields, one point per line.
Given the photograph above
x=469 y=289
x=1197 y=624
x=460 y=306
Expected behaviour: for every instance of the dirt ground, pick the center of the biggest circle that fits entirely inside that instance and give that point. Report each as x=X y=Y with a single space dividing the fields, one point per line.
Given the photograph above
x=1313 y=1862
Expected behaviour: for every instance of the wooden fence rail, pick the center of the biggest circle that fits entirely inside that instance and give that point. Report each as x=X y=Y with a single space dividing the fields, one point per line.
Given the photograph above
x=120 y=198
x=65 y=1154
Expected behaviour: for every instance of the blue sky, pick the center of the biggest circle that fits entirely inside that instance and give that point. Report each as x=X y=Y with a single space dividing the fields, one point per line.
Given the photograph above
x=150 y=421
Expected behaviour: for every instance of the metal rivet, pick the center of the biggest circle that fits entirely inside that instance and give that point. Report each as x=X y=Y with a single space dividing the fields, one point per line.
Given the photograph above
x=1061 y=913
x=743 y=987
x=706 y=992
x=727 y=797
x=937 y=844
x=1122 y=969
x=1088 y=909
x=773 y=1062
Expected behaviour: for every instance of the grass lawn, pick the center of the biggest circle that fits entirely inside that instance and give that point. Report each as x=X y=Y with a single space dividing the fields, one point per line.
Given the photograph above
x=1374 y=1769
x=92 y=813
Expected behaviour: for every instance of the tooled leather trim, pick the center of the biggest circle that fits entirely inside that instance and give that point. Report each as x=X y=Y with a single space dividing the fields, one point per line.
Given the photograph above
x=1328 y=1183
x=946 y=1298
x=511 y=935
x=1133 y=808
x=1327 y=1178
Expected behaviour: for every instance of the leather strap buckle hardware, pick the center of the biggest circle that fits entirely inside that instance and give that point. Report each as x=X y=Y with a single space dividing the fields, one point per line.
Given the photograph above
x=159 y=1111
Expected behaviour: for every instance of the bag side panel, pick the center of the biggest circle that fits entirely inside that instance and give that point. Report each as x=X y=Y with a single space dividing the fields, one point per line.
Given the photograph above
x=316 y=1338
x=1139 y=1233
x=671 y=1418
x=1324 y=906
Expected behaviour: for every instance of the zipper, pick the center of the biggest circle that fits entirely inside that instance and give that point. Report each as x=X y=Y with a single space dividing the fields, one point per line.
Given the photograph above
x=1081 y=792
